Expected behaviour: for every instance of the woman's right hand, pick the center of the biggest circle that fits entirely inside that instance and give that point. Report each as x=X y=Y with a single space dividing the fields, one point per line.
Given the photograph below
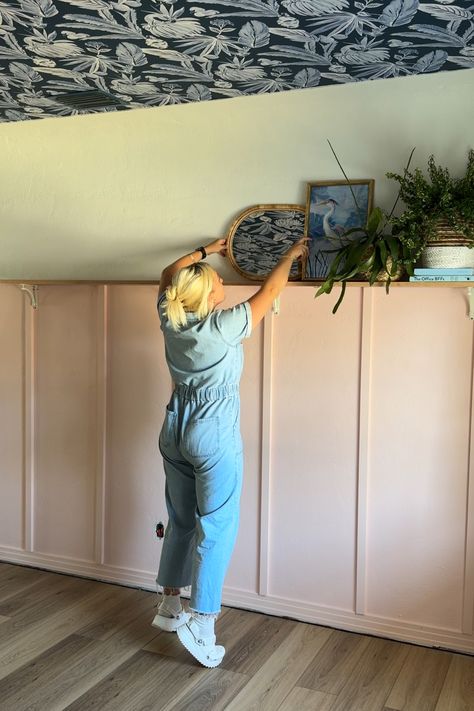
x=298 y=249
x=218 y=246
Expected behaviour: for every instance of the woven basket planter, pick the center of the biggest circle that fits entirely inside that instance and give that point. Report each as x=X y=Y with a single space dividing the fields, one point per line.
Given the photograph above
x=449 y=249
x=444 y=256
x=383 y=275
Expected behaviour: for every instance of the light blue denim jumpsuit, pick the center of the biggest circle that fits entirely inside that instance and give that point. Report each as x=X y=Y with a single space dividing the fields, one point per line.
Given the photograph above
x=201 y=445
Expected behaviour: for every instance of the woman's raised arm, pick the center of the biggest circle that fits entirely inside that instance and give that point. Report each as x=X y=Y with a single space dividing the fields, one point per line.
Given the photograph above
x=275 y=282
x=217 y=246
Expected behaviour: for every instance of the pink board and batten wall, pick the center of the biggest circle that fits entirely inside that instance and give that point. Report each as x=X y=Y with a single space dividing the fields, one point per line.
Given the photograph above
x=356 y=509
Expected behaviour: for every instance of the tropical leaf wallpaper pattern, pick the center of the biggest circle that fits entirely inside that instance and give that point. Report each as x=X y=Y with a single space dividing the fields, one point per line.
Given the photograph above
x=261 y=235
x=162 y=52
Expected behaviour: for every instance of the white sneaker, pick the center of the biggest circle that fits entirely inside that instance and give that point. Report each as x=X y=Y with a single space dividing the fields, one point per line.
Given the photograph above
x=170 y=621
x=204 y=649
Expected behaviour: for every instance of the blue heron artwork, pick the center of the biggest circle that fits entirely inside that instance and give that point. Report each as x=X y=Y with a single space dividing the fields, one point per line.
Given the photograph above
x=332 y=209
x=261 y=235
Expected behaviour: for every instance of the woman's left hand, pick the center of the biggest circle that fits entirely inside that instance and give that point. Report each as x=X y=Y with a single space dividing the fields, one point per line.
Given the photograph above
x=219 y=246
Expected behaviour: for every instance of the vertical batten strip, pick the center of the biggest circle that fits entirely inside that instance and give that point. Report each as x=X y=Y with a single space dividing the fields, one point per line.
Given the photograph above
x=265 y=461
x=101 y=402
x=29 y=365
x=467 y=625
x=366 y=331
x=25 y=488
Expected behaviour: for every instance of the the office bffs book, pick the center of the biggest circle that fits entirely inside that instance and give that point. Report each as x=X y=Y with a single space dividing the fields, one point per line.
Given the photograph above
x=443 y=274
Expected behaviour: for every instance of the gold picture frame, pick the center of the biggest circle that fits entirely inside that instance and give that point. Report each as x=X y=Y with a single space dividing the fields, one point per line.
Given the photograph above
x=330 y=211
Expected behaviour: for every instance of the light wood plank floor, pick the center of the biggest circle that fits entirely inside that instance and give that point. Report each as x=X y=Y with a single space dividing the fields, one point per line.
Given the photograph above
x=76 y=644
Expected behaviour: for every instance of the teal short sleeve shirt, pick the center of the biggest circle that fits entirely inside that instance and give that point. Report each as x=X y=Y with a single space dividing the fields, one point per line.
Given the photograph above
x=207 y=352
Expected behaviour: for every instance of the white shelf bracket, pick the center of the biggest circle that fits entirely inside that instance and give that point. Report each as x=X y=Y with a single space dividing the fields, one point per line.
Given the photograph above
x=32 y=292
x=470 y=298
x=276 y=306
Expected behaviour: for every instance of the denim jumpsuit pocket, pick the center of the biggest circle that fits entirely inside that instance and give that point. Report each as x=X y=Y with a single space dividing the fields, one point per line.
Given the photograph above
x=201 y=437
x=238 y=445
x=167 y=434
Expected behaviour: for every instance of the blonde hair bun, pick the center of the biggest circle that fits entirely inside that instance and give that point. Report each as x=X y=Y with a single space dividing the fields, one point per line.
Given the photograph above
x=189 y=292
x=171 y=293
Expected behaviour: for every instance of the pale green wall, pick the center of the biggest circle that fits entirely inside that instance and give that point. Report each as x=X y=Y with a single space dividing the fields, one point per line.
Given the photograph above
x=118 y=196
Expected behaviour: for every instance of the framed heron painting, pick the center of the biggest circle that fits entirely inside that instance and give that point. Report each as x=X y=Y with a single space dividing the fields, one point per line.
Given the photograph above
x=260 y=235
x=332 y=208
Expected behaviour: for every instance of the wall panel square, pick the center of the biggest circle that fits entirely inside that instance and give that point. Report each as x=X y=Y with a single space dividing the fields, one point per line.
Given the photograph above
x=316 y=357
x=65 y=449
x=138 y=388
x=12 y=307
x=418 y=455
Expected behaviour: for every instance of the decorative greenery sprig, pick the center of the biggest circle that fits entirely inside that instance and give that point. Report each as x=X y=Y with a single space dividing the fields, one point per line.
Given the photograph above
x=431 y=198
x=385 y=245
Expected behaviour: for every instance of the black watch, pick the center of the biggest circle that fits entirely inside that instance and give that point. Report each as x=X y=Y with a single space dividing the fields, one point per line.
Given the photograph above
x=203 y=251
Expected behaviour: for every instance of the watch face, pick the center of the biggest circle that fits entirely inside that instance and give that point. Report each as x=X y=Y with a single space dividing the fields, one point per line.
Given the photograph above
x=261 y=235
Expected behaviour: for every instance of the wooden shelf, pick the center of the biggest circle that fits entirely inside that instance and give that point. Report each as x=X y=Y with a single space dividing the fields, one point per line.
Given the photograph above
x=119 y=282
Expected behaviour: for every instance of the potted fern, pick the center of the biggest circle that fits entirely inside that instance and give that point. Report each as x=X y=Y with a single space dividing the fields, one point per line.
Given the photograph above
x=438 y=222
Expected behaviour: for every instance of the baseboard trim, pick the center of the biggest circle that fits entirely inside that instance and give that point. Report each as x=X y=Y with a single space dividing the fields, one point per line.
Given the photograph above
x=302 y=611
x=83 y=568
x=426 y=636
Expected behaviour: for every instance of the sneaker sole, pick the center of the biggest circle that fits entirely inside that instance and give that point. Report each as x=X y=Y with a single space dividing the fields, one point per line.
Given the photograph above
x=186 y=638
x=170 y=624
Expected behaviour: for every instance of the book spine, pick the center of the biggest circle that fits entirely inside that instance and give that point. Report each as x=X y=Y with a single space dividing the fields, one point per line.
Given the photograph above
x=458 y=271
x=442 y=278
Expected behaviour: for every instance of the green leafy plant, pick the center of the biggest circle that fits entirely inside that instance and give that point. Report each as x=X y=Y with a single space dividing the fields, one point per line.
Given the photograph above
x=372 y=252
x=431 y=198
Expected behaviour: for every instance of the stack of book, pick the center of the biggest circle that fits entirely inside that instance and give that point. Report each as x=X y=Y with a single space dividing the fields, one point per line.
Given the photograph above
x=443 y=274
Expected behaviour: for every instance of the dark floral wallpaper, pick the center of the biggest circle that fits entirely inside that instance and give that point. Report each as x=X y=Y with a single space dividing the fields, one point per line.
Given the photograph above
x=171 y=52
